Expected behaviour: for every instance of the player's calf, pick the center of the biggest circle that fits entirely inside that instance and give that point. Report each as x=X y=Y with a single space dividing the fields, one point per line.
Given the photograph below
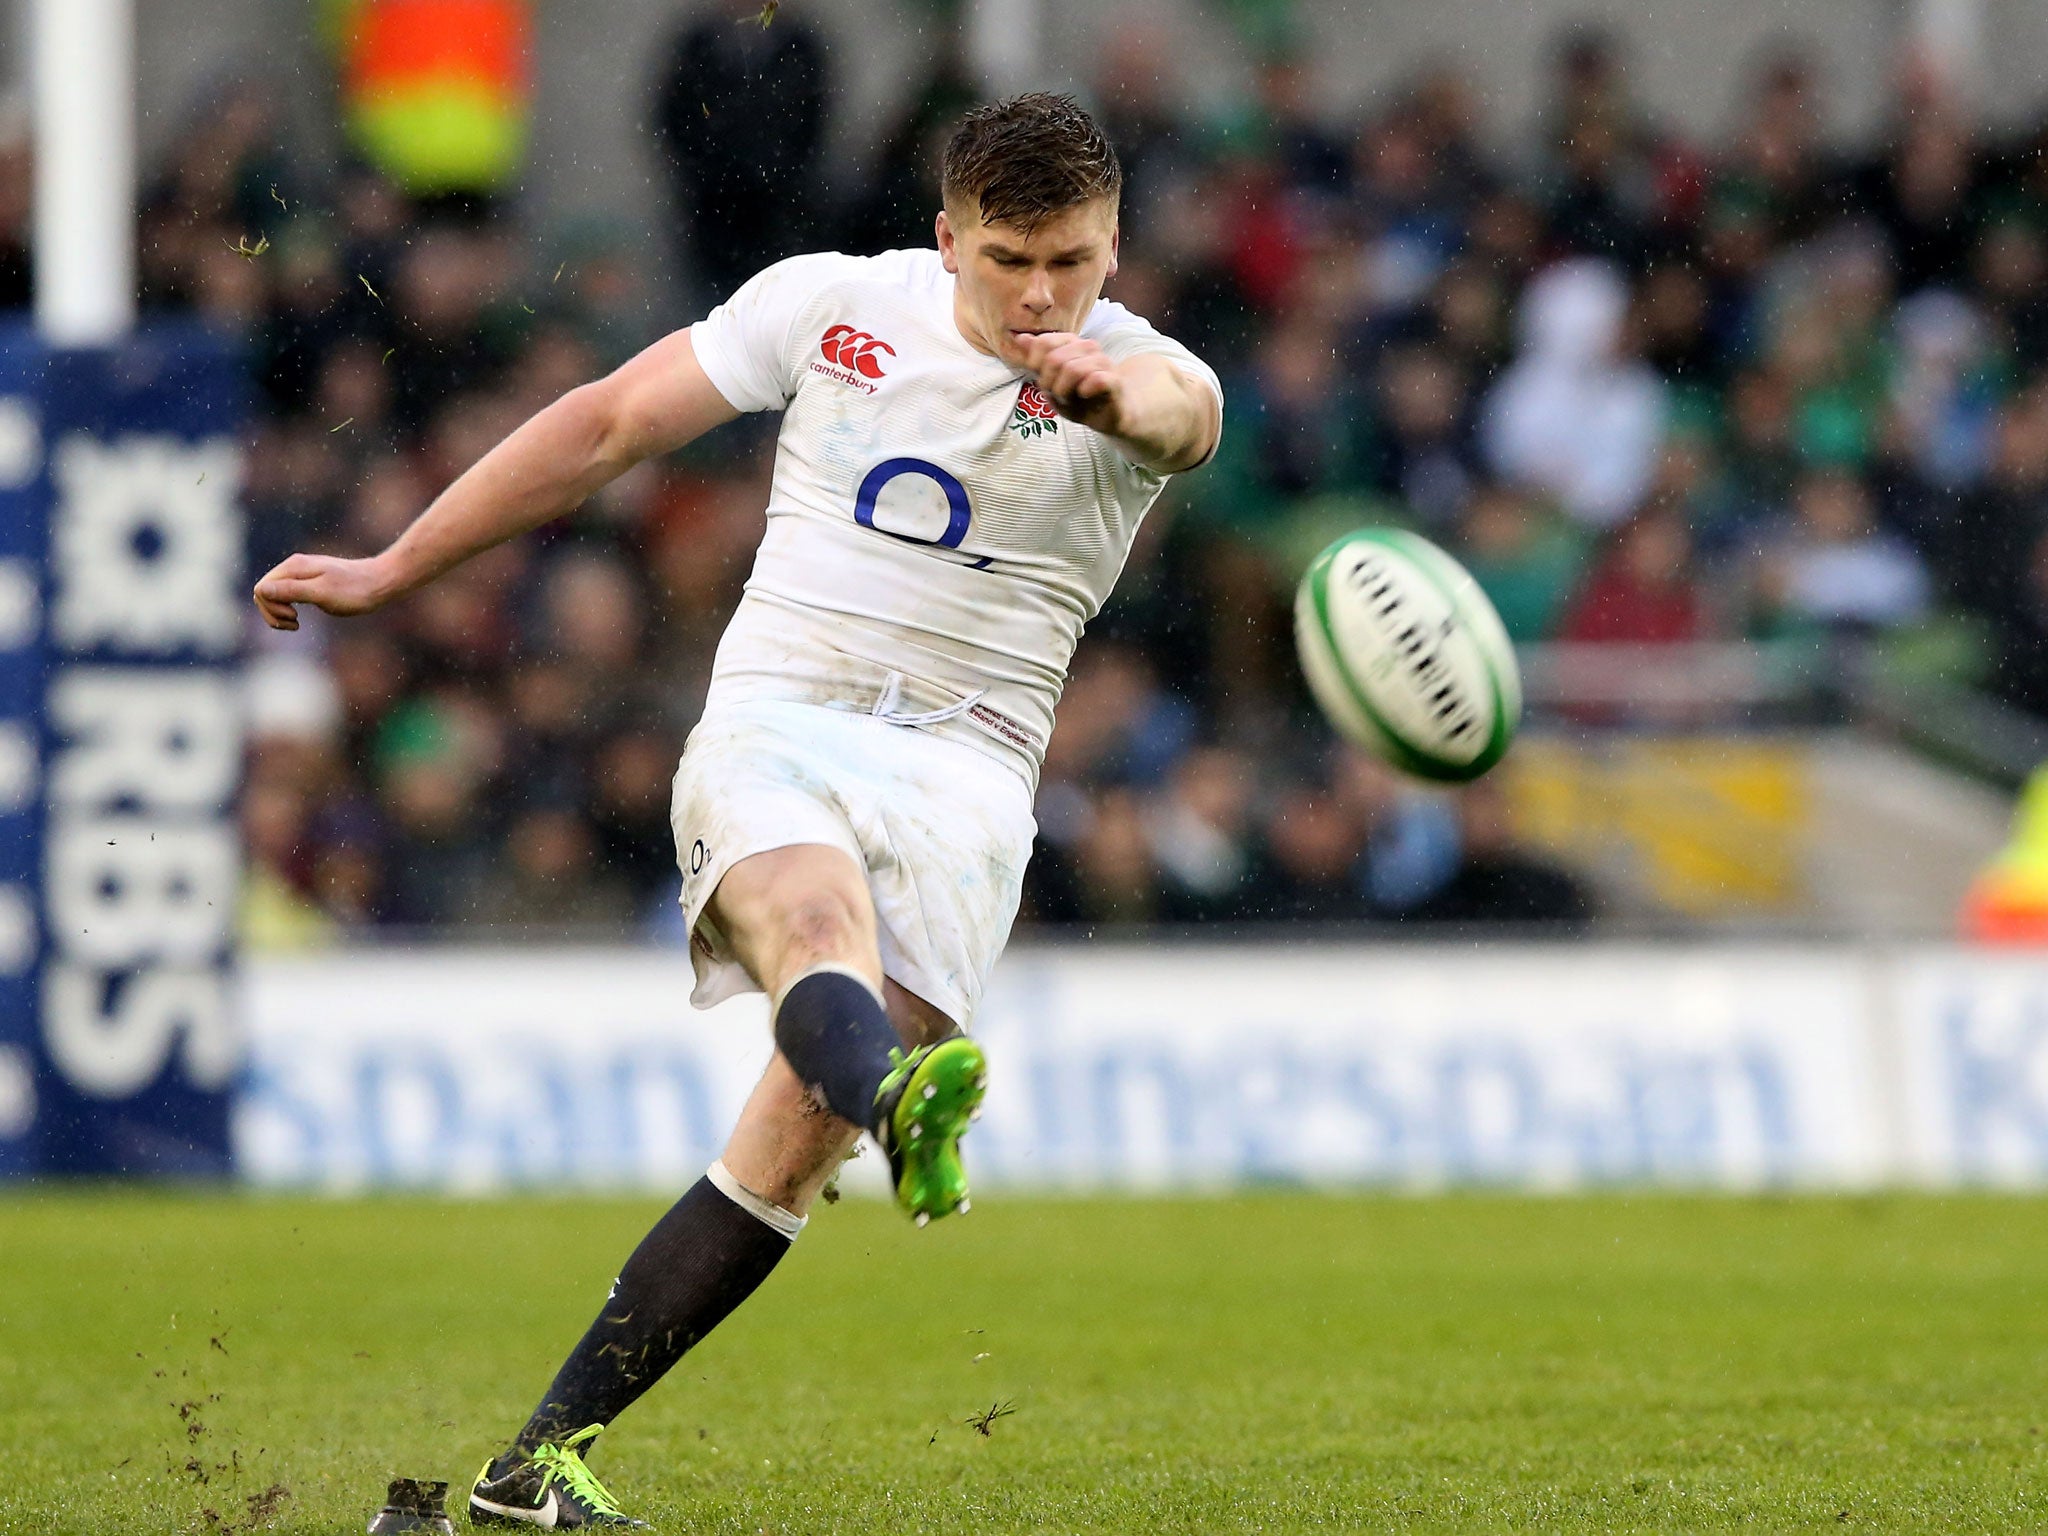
x=709 y=1253
x=832 y=1028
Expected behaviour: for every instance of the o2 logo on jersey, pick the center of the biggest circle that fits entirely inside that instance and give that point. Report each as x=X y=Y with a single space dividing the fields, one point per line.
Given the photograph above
x=849 y=348
x=959 y=511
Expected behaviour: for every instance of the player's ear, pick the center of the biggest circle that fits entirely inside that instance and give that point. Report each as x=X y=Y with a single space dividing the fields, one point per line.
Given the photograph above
x=949 y=248
x=1115 y=241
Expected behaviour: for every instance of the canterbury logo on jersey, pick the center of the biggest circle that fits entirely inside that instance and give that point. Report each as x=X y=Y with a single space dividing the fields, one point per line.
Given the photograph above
x=858 y=355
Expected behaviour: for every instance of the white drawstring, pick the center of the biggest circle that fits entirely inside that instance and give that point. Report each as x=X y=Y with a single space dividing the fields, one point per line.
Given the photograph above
x=892 y=694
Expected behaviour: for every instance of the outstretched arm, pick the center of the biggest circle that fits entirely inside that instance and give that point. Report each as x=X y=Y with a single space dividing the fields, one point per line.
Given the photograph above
x=654 y=404
x=1159 y=415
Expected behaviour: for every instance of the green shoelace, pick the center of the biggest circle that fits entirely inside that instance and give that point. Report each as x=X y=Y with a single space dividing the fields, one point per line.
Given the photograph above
x=563 y=1462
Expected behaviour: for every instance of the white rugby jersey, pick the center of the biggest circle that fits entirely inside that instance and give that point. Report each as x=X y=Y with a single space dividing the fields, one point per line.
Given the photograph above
x=937 y=536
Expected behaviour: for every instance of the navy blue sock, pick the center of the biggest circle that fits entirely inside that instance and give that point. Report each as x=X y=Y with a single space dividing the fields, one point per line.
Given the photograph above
x=705 y=1257
x=834 y=1031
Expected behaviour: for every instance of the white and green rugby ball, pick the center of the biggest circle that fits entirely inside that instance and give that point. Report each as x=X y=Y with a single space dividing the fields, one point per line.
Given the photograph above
x=1406 y=655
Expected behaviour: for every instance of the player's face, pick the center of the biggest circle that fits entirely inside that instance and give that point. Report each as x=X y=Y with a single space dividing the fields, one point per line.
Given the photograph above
x=1013 y=284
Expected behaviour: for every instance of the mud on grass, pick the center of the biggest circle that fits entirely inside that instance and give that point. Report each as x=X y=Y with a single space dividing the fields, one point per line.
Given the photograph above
x=186 y=1365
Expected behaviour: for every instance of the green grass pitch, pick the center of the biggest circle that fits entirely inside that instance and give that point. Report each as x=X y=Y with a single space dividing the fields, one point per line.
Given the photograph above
x=1271 y=1363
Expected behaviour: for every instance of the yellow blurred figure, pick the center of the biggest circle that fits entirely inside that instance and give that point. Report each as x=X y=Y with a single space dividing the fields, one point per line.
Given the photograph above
x=2008 y=903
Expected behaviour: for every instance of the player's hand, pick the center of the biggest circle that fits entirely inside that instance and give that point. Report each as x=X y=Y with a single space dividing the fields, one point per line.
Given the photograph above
x=332 y=585
x=1079 y=378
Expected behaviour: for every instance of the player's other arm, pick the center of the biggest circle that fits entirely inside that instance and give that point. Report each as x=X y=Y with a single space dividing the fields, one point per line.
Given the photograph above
x=554 y=462
x=1160 y=415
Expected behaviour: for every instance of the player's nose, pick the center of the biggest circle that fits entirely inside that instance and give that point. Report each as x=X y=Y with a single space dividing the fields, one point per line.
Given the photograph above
x=1038 y=292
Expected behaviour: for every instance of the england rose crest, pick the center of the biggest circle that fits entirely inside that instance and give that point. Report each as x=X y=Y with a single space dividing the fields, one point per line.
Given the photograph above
x=1034 y=413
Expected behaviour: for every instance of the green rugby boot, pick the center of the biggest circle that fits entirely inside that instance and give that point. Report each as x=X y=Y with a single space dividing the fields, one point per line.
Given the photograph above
x=921 y=1112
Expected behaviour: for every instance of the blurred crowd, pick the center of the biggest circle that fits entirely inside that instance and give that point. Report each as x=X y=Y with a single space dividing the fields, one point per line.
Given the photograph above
x=1650 y=390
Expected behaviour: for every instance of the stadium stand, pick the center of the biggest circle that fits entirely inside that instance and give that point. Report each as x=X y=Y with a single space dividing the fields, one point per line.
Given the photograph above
x=1751 y=399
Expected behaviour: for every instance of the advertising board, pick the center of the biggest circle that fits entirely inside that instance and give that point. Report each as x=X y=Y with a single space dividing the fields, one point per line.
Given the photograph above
x=1113 y=1067
x=1972 y=1050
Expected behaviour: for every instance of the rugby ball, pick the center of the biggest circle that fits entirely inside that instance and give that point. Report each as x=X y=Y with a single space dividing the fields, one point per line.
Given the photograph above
x=1406 y=655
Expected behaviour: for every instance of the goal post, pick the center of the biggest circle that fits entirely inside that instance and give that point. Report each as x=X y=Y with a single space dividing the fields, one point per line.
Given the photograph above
x=82 y=64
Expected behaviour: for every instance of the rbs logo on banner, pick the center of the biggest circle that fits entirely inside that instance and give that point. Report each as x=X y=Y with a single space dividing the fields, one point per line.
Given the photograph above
x=141 y=858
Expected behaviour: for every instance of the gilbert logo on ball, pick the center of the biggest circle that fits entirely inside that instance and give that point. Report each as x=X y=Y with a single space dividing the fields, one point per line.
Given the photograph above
x=1406 y=655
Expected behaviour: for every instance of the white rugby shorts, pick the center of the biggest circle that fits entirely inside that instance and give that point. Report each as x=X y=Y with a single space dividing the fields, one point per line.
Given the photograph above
x=943 y=831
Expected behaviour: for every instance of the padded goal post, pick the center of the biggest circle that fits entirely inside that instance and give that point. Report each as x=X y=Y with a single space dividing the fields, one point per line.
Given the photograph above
x=122 y=621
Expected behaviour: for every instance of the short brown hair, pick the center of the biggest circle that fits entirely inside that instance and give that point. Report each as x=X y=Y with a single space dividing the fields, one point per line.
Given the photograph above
x=1019 y=162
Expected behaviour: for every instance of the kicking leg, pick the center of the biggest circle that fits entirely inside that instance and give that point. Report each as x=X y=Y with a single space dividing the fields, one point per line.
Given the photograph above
x=802 y=922
x=786 y=1147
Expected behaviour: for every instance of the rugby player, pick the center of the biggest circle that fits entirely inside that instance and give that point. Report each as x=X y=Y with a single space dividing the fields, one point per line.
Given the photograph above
x=970 y=436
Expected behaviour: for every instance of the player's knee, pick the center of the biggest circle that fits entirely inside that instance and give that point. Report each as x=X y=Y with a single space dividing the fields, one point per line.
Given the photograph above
x=819 y=927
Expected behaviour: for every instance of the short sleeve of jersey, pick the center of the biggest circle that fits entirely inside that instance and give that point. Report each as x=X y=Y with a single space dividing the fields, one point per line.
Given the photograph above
x=1124 y=335
x=747 y=345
